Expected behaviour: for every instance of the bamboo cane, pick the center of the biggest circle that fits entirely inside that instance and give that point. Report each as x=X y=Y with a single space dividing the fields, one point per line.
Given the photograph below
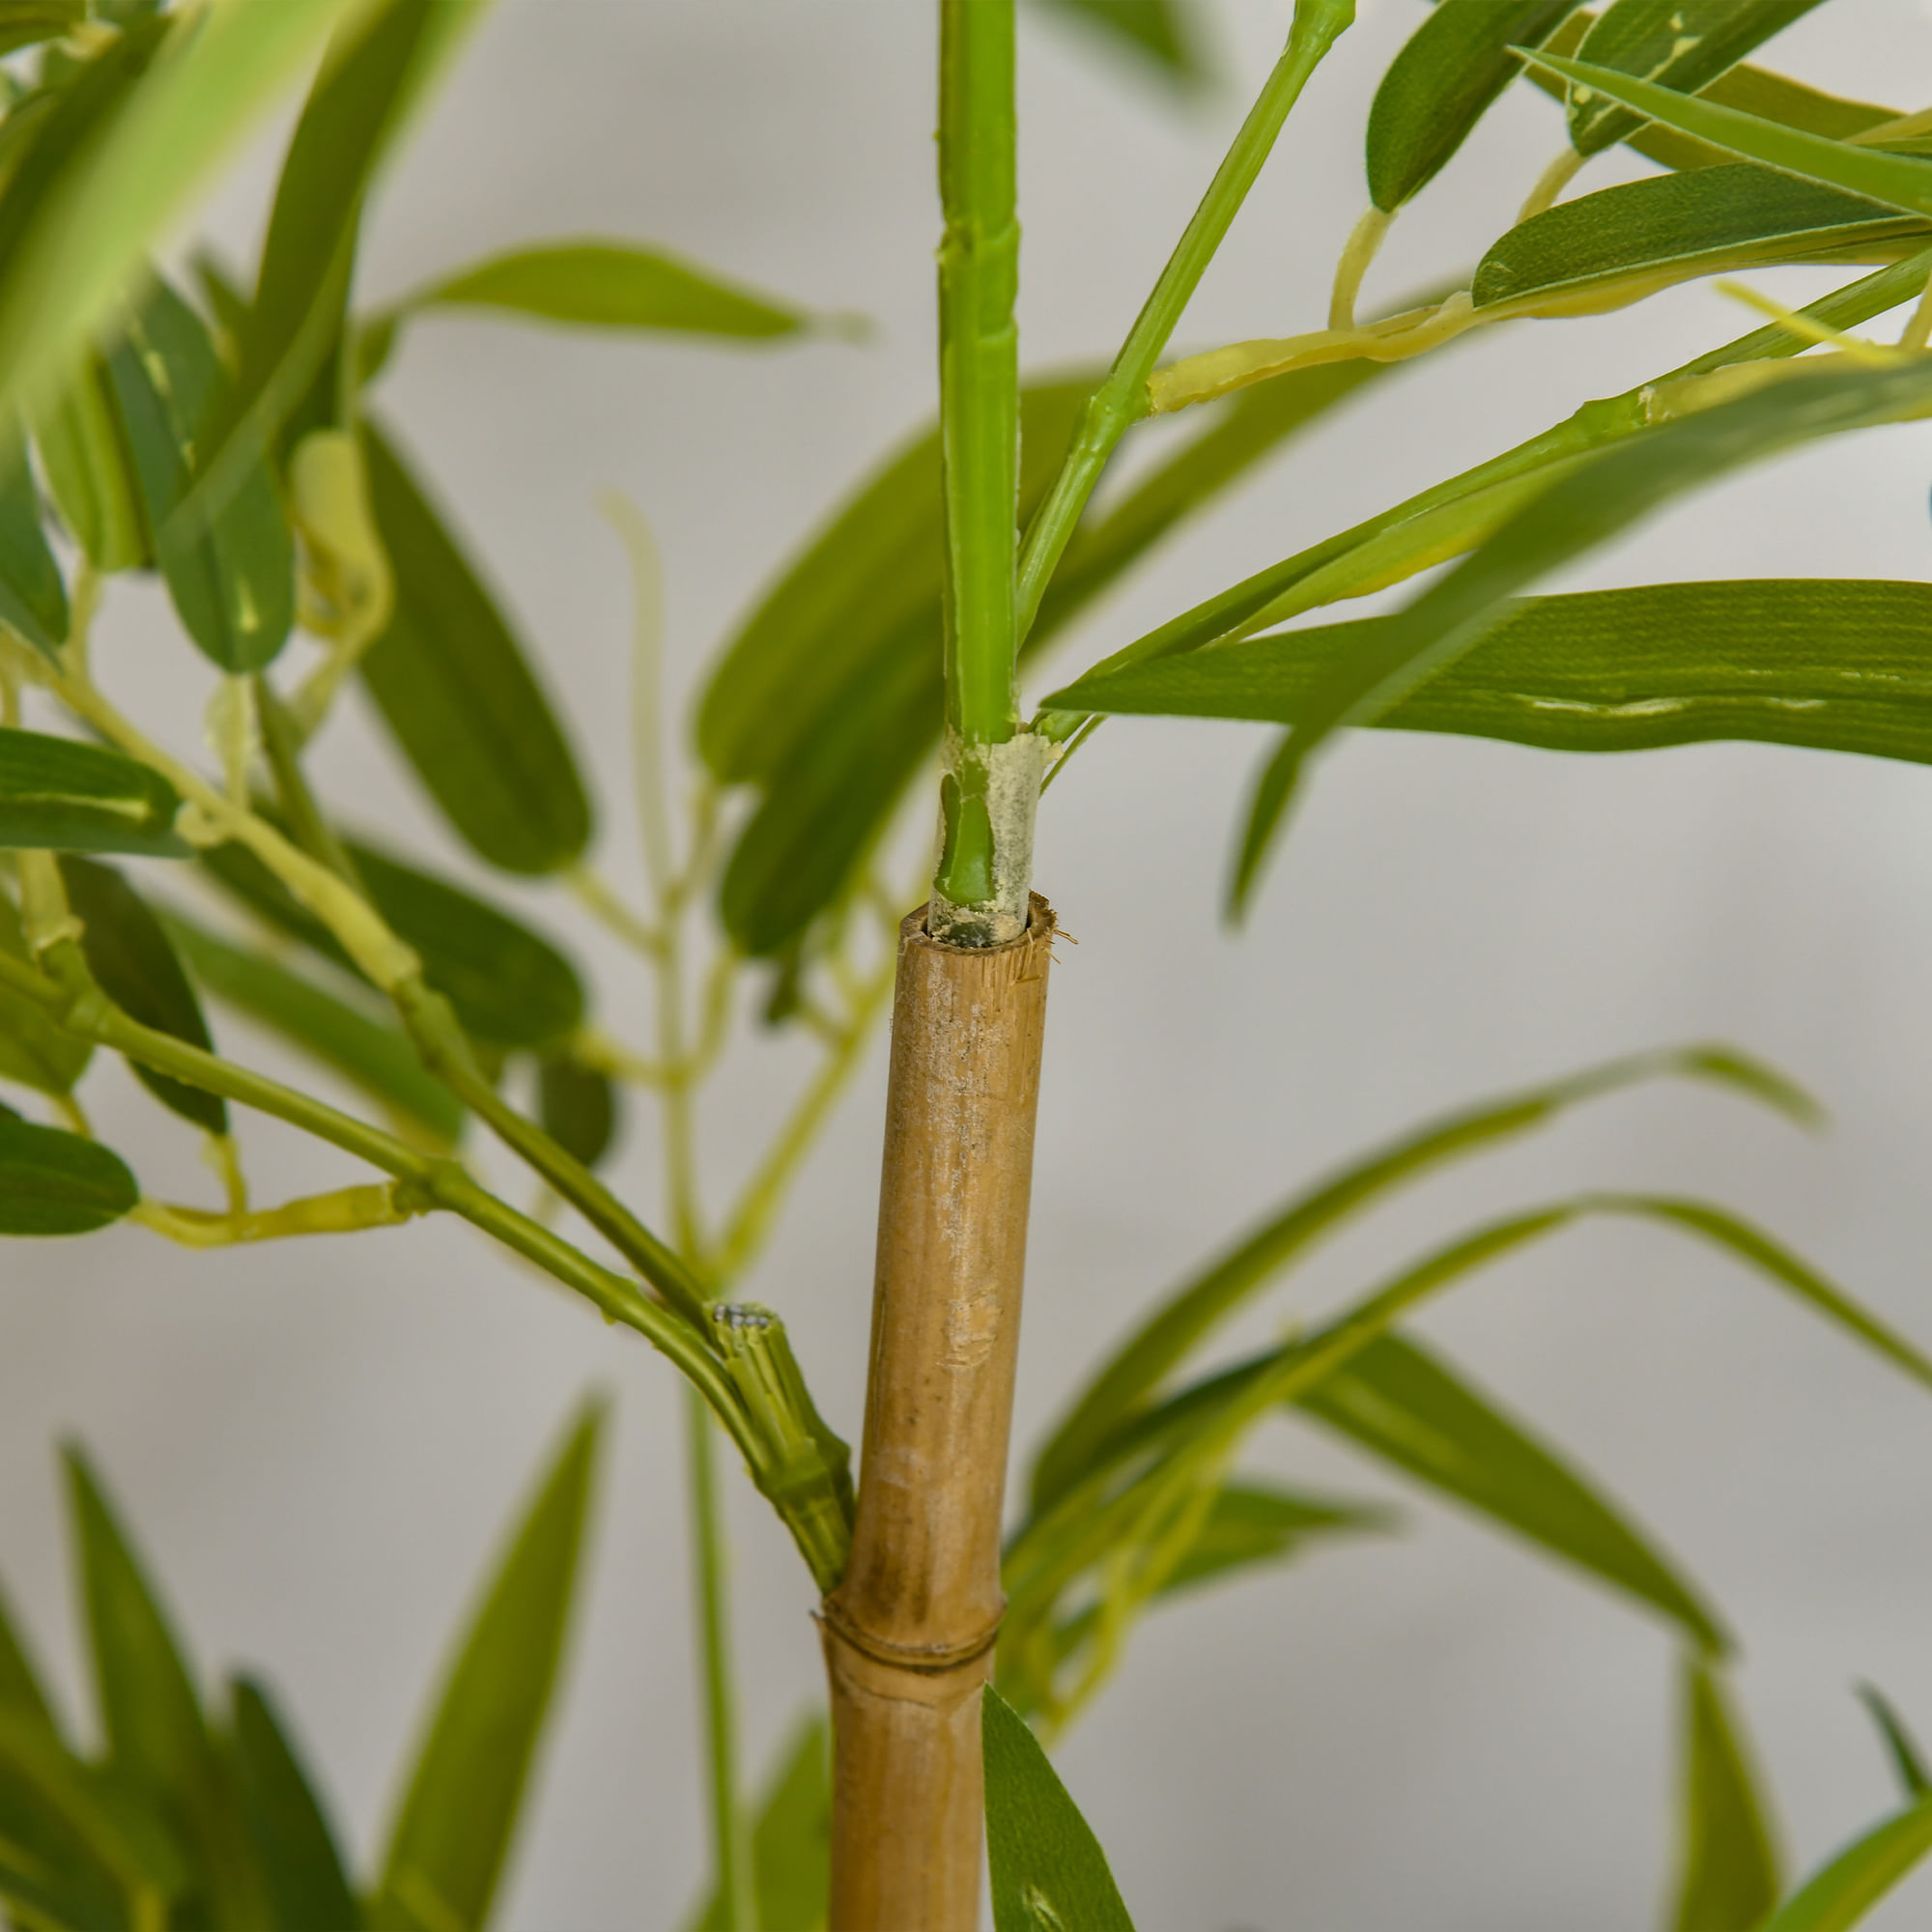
x=909 y=1631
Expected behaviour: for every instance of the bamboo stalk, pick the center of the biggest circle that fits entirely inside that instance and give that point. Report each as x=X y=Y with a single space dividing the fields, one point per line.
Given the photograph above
x=909 y=1631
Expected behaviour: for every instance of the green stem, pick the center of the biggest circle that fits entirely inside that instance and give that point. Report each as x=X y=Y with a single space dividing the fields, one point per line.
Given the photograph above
x=735 y=1908
x=1122 y=397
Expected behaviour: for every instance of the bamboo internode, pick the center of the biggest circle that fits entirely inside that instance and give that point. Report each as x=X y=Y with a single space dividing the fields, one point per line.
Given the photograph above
x=909 y=1632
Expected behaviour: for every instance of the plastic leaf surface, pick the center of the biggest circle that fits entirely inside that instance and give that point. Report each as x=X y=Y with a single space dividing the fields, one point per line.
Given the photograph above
x=32 y=1049
x=1048 y=1869
x=301 y=1868
x=1907 y=1759
x=455 y=687
x=33 y=600
x=129 y=956
x=54 y=1182
x=90 y=474
x=1728 y=1878
x=378 y=1058
x=1442 y=82
x=1842 y=1894
x=24 y=23
x=1401 y=1402
x=577 y=1107
x=60 y=795
x=452 y=1833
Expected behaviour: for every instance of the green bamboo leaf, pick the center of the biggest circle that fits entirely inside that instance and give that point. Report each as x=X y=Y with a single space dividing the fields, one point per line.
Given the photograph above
x=452 y=1832
x=53 y=1182
x=377 y=1056
x=33 y=599
x=1157 y=1348
x=157 y=1738
x=456 y=689
x=1899 y=180
x=1834 y=665
x=511 y=987
x=1907 y=1759
x=25 y=22
x=300 y=1866
x=1159 y=33
x=1049 y=1868
x=351 y=116
x=1401 y=1402
x=129 y=956
x=20 y=1691
x=1727 y=1860
x=577 y=1107
x=1676 y=44
x=32 y=1049
x=1671 y=227
x=1585 y=508
x=60 y=795
x=1445 y=80
x=1840 y=1895
x=598 y=284
x=791 y=1838
x=89 y=471
x=232 y=579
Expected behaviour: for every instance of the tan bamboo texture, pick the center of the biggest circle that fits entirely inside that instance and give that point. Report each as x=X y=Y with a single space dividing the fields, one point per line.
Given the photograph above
x=909 y=1632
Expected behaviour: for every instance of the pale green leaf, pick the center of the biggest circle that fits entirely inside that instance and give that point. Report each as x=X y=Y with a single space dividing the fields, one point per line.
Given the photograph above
x=1907 y=1759
x=32 y=1049
x=1840 y=1894
x=1728 y=1878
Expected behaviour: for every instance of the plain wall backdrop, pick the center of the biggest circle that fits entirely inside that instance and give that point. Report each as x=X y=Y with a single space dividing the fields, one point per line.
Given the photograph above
x=319 y=1443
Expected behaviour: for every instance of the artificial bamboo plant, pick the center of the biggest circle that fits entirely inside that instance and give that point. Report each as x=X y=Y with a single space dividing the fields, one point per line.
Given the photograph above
x=225 y=432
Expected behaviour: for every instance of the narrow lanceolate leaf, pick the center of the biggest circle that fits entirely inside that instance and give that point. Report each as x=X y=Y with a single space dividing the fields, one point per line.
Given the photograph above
x=1048 y=1869
x=1443 y=81
x=377 y=1056
x=455 y=687
x=33 y=599
x=1158 y=32
x=1585 y=509
x=232 y=578
x=791 y=1839
x=598 y=284
x=1676 y=44
x=577 y=1107
x=1838 y=666
x=73 y=236
x=1728 y=1862
x=25 y=22
x=453 y=1835
x=59 y=795
x=1670 y=227
x=89 y=473
x=1181 y=1321
x=32 y=1049
x=289 y=1830
x=53 y=1182
x=20 y=1691
x=308 y=256
x=1398 y=1401
x=129 y=956
x=1907 y=1759
x=1900 y=181
x=1842 y=1894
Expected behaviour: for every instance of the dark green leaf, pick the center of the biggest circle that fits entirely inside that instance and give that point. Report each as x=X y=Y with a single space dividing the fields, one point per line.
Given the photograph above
x=1727 y=1864
x=1158 y=32
x=577 y=1107
x=1443 y=81
x=157 y=1738
x=454 y=685
x=1670 y=227
x=59 y=795
x=33 y=599
x=90 y=473
x=1183 y=1320
x=1839 y=1895
x=307 y=259
x=301 y=1866
x=1675 y=44
x=1900 y=1745
x=24 y=22
x=1585 y=508
x=609 y=285
x=452 y=1832
x=378 y=1058
x=20 y=1689
x=791 y=1838
x=1403 y=1403
x=1048 y=1869
x=129 y=956
x=509 y=987
x=1834 y=665
x=53 y=1182
x=232 y=578
x=32 y=1049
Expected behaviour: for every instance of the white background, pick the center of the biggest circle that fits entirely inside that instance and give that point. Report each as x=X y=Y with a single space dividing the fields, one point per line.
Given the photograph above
x=320 y=1442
